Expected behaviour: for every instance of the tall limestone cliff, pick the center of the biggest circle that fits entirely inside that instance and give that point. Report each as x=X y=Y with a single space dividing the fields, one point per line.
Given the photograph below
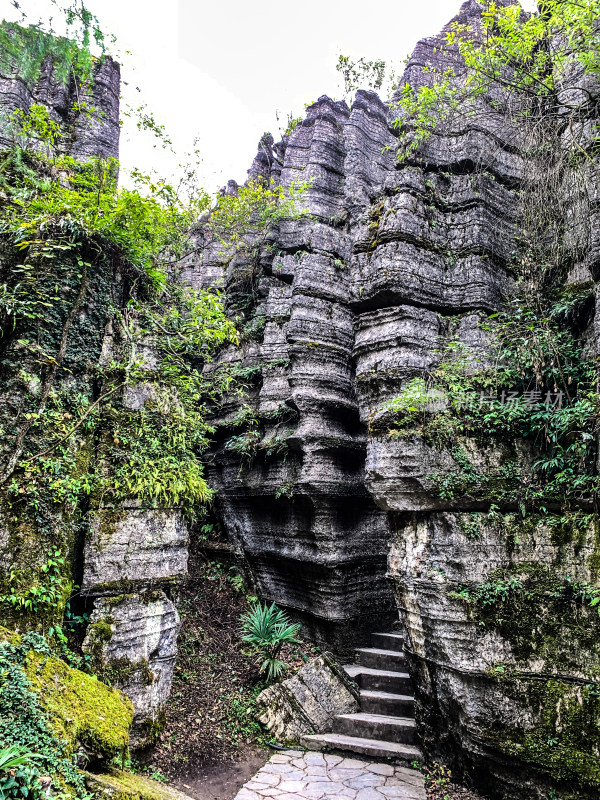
x=335 y=508
x=334 y=512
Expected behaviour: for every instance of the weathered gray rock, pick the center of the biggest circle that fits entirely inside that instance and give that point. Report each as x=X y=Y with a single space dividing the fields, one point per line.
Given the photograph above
x=133 y=637
x=133 y=641
x=359 y=299
x=298 y=508
x=88 y=116
x=134 y=548
x=308 y=701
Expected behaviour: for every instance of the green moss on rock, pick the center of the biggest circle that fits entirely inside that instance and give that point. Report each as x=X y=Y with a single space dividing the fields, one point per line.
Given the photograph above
x=81 y=709
x=543 y=614
x=118 y=785
x=565 y=739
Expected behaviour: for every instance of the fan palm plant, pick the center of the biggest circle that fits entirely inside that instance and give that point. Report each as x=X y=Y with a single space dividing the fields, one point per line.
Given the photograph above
x=266 y=629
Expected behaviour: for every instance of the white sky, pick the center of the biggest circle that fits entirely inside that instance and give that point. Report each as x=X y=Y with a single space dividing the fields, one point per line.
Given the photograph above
x=221 y=69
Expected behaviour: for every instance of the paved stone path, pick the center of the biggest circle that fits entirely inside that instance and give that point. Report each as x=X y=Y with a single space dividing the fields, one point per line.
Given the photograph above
x=294 y=775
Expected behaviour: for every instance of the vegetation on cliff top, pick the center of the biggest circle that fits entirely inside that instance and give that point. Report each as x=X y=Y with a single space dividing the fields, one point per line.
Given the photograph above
x=533 y=377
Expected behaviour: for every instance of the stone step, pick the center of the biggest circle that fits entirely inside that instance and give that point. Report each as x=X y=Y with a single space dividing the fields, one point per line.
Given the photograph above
x=388 y=641
x=368 y=747
x=393 y=705
x=377 y=658
x=401 y=730
x=380 y=680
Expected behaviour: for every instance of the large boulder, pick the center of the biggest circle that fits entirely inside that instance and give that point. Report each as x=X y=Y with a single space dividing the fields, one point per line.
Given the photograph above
x=308 y=701
x=87 y=718
x=132 y=639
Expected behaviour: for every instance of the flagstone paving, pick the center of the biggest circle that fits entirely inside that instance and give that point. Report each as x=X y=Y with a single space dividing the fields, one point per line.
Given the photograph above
x=294 y=775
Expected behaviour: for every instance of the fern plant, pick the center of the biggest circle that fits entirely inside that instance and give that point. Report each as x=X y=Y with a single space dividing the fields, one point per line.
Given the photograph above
x=266 y=629
x=14 y=761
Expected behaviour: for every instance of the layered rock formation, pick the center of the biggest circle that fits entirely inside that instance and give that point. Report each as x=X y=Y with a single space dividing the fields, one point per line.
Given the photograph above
x=88 y=116
x=313 y=538
x=335 y=513
x=395 y=260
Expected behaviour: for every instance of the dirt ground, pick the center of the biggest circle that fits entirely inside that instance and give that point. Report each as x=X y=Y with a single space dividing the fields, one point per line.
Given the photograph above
x=449 y=791
x=223 y=782
x=212 y=744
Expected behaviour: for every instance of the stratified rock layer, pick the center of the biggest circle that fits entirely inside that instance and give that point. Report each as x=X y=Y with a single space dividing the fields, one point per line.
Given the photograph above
x=312 y=536
x=356 y=300
x=88 y=116
x=133 y=641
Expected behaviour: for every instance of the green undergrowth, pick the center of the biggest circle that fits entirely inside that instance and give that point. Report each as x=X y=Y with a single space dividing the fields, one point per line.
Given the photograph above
x=95 y=429
x=52 y=710
x=535 y=384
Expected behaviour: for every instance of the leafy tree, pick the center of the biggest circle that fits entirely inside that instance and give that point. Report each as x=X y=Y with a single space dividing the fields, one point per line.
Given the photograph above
x=541 y=57
x=363 y=74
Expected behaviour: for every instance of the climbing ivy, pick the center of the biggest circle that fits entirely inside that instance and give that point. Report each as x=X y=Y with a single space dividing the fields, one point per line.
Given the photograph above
x=68 y=235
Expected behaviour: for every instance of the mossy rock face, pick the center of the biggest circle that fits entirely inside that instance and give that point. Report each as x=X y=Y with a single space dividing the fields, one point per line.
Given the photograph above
x=25 y=547
x=118 y=785
x=9 y=636
x=82 y=711
x=566 y=739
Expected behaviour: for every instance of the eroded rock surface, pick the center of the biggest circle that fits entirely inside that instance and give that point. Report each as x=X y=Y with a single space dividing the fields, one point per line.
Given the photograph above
x=308 y=701
x=133 y=642
x=134 y=547
x=396 y=260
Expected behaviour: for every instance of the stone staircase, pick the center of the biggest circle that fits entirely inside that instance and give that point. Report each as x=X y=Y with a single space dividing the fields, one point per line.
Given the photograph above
x=385 y=724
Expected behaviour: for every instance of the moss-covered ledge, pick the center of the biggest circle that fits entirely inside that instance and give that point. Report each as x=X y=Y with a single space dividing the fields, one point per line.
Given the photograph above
x=119 y=785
